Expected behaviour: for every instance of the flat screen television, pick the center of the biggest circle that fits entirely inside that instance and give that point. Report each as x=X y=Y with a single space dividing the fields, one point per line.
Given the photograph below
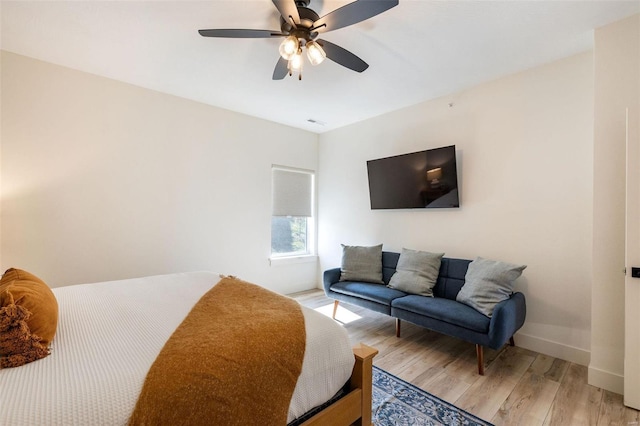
x=425 y=179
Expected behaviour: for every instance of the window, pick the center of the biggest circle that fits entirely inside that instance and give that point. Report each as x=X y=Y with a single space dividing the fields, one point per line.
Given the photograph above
x=292 y=212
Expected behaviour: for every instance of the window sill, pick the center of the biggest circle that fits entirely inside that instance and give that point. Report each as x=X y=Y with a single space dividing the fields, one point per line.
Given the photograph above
x=292 y=260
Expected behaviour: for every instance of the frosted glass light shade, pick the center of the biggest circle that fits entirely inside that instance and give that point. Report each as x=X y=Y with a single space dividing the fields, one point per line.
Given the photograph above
x=289 y=47
x=295 y=63
x=315 y=53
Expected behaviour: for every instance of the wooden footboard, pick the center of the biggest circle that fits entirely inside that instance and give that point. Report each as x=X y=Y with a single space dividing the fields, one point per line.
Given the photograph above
x=355 y=407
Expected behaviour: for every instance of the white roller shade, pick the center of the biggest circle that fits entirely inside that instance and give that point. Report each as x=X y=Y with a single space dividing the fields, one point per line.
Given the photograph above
x=292 y=192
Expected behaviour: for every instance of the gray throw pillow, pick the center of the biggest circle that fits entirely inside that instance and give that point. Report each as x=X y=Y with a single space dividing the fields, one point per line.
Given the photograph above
x=487 y=283
x=361 y=264
x=417 y=272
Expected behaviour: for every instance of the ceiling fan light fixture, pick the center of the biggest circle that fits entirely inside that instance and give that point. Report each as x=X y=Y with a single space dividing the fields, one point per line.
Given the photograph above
x=300 y=25
x=315 y=53
x=295 y=63
x=289 y=47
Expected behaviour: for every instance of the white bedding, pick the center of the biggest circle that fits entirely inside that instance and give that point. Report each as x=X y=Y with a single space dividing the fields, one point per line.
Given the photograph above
x=110 y=333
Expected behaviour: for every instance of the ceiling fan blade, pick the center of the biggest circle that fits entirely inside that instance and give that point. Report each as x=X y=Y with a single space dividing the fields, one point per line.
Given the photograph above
x=352 y=13
x=342 y=56
x=237 y=33
x=287 y=8
x=281 y=70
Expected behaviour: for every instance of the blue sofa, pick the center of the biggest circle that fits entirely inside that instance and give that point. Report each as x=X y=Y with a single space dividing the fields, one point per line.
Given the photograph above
x=441 y=313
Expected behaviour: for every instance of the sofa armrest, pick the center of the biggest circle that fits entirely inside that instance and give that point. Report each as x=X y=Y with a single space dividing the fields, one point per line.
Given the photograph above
x=508 y=317
x=330 y=277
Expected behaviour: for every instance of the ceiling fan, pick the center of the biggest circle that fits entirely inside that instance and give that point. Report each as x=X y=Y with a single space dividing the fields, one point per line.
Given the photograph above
x=300 y=27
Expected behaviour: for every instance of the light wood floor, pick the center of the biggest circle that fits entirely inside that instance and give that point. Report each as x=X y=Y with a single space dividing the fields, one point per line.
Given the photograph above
x=520 y=387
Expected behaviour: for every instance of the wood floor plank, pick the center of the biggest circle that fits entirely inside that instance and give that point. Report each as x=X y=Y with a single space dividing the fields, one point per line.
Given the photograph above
x=576 y=402
x=441 y=352
x=398 y=357
x=549 y=367
x=613 y=411
x=487 y=394
x=465 y=367
x=529 y=402
x=444 y=386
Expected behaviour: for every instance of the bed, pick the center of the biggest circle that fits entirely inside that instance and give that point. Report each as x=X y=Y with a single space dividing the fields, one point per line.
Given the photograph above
x=109 y=335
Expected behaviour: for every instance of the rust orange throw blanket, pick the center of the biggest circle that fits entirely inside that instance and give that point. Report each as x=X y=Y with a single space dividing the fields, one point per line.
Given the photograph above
x=234 y=360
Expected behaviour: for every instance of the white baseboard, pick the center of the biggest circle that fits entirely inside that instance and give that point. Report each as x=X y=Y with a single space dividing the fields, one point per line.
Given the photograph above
x=554 y=349
x=606 y=380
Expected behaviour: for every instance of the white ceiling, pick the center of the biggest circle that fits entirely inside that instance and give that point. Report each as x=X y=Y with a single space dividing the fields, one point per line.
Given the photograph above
x=419 y=50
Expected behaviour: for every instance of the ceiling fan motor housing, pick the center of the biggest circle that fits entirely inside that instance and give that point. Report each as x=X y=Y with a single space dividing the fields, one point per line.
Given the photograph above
x=307 y=18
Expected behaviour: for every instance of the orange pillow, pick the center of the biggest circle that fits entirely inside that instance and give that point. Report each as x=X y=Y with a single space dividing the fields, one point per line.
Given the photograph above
x=28 y=318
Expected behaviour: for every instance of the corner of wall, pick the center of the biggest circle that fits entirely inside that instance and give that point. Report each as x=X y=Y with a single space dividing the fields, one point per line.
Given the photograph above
x=613 y=48
x=606 y=380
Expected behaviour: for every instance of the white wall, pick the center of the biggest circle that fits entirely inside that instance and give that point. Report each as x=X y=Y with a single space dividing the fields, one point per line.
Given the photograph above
x=616 y=51
x=0 y=134
x=525 y=153
x=103 y=180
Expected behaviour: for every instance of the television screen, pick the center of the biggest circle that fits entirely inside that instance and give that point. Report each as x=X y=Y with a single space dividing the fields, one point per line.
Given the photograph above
x=425 y=179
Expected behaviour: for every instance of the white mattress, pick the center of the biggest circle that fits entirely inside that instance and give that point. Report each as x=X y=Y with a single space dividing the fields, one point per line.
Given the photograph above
x=110 y=333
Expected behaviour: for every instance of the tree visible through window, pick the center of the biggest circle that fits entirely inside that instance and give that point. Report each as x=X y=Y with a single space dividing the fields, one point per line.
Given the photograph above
x=291 y=230
x=289 y=235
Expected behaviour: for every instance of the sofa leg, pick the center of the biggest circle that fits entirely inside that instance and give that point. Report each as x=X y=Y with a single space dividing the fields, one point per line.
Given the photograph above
x=397 y=327
x=335 y=308
x=511 y=341
x=480 y=354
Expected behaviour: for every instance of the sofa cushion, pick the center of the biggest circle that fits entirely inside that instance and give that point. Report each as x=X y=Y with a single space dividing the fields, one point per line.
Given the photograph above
x=445 y=310
x=389 y=263
x=417 y=272
x=361 y=264
x=487 y=283
x=373 y=292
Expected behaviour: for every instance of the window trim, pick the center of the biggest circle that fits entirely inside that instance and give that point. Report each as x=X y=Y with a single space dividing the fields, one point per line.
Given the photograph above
x=293 y=260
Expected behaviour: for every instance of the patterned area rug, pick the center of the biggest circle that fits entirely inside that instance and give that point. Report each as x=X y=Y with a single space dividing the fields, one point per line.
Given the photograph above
x=396 y=402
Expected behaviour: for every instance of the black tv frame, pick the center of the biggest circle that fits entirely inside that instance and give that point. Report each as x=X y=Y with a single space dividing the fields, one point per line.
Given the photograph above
x=417 y=180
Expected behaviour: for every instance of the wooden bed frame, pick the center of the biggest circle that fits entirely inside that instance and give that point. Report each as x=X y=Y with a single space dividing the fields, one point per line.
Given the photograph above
x=355 y=407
